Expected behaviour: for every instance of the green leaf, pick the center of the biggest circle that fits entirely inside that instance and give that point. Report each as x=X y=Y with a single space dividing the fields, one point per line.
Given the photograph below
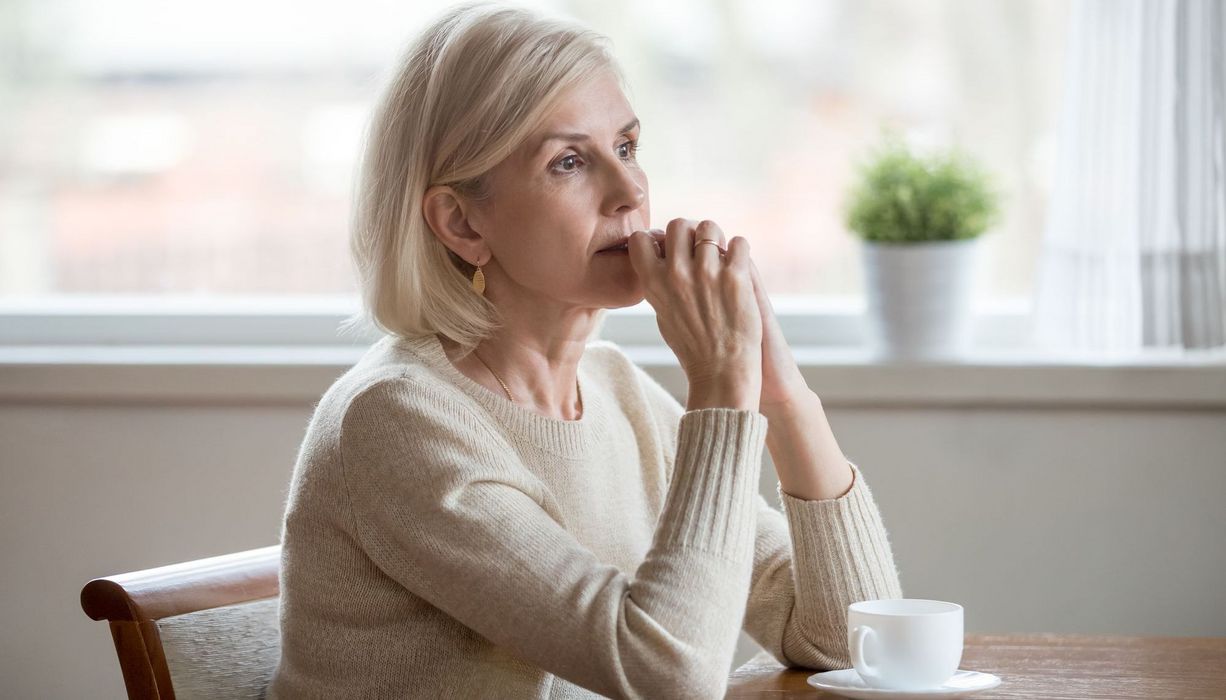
x=900 y=197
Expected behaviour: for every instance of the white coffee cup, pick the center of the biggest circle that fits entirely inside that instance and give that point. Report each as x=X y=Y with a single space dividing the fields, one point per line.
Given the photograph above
x=905 y=643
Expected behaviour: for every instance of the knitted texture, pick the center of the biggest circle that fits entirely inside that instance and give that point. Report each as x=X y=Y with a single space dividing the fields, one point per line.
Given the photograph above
x=440 y=541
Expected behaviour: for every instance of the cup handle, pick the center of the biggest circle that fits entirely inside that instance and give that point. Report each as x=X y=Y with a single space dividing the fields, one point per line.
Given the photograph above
x=867 y=671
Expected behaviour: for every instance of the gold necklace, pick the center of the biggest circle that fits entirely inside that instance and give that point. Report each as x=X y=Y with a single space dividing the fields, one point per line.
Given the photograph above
x=504 y=384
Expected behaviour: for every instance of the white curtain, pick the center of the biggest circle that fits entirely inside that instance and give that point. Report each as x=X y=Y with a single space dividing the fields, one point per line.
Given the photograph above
x=1133 y=259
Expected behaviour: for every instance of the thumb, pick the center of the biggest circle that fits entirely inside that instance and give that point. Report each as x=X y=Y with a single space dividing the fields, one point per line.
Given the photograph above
x=770 y=322
x=759 y=291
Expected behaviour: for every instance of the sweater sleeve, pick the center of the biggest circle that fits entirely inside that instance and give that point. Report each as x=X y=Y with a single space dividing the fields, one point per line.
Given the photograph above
x=810 y=562
x=441 y=505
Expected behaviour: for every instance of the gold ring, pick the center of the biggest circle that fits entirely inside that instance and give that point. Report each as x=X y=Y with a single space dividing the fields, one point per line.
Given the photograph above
x=708 y=240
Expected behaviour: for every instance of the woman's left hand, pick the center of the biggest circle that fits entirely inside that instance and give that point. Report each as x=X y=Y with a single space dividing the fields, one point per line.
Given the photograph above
x=782 y=381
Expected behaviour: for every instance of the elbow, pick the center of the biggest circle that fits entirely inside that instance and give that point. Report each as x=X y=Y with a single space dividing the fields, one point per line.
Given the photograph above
x=707 y=681
x=696 y=681
x=815 y=659
x=674 y=655
x=682 y=679
x=818 y=655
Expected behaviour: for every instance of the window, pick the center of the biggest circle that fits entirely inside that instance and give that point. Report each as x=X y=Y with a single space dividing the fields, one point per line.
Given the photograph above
x=208 y=150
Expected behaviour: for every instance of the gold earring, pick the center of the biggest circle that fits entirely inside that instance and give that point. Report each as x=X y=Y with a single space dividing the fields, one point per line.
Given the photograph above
x=479 y=281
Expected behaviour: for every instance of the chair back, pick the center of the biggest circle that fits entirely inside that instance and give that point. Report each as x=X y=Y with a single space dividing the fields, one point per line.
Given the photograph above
x=200 y=629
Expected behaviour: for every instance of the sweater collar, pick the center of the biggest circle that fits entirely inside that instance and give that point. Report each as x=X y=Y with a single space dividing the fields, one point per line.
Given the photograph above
x=561 y=437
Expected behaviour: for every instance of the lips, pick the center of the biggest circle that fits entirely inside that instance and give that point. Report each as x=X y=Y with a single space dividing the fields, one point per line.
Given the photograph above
x=623 y=245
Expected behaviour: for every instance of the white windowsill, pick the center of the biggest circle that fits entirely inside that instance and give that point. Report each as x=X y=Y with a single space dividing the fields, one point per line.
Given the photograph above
x=269 y=375
x=290 y=355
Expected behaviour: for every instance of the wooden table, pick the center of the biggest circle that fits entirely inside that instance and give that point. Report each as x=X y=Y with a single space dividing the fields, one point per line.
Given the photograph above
x=1050 y=666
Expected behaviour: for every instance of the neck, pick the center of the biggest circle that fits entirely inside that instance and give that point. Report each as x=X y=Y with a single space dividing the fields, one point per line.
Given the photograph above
x=537 y=349
x=541 y=377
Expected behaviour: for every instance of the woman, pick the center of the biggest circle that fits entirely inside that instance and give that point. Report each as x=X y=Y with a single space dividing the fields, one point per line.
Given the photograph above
x=492 y=504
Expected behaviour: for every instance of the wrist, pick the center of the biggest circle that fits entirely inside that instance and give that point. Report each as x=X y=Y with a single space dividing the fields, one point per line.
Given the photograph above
x=801 y=399
x=739 y=394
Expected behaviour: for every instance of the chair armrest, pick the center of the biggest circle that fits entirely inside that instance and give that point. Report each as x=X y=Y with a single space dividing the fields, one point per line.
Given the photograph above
x=183 y=588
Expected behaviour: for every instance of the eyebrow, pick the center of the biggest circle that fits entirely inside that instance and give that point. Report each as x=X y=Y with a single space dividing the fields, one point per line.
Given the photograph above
x=582 y=137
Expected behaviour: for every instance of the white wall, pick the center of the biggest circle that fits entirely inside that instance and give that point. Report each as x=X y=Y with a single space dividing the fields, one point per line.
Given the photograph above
x=1073 y=519
x=96 y=490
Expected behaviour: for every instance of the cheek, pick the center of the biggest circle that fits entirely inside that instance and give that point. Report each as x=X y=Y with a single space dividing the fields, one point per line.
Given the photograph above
x=646 y=199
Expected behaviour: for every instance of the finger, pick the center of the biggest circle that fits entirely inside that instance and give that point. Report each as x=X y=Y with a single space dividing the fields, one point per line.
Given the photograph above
x=679 y=239
x=708 y=256
x=758 y=290
x=643 y=257
x=659 y=238
x=709 y=229
x=738 y=253
x=753 y=268
x=764 y=297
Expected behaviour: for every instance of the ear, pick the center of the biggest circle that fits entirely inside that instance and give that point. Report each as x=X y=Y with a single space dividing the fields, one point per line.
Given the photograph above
x=447 y=214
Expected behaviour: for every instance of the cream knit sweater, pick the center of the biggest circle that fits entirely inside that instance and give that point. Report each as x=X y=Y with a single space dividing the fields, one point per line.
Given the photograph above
x=442 y=542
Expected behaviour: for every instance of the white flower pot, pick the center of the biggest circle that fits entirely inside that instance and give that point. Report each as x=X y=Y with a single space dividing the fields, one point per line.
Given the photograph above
x=919 y=298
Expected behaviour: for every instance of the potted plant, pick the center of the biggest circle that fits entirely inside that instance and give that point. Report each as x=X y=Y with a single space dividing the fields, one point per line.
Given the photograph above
x=918 y=218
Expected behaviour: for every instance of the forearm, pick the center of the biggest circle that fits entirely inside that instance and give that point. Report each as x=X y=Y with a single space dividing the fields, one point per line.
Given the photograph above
x=834 y=537
x=806 y=455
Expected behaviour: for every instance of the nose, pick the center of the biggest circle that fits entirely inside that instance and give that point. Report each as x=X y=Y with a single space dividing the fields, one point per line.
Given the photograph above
x=624 y=193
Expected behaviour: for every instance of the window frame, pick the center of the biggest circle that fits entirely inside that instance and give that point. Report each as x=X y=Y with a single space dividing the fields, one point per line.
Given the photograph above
x=809 y=323
x=313 y=321
x=285 y=353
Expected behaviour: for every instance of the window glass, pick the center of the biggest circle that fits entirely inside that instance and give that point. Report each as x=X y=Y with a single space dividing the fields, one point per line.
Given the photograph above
x=152 y=147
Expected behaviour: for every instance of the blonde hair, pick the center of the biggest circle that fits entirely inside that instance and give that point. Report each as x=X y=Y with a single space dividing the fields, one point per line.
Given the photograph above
x=468 y=91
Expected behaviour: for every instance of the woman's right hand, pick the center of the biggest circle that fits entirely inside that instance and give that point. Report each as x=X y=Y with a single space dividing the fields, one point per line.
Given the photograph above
x=706 y=309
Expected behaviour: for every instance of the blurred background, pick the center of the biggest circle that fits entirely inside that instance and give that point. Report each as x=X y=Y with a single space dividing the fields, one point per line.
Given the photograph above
x=175 y=184
x=156 y=148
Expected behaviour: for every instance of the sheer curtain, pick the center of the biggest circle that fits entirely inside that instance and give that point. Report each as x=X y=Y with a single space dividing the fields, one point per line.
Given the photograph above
x=1133 y=258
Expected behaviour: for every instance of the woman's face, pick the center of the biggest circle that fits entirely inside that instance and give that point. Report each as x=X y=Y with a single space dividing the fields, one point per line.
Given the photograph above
x=573 y=187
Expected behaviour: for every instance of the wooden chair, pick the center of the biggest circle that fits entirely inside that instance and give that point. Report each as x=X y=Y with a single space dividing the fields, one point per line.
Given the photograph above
x=205 y=628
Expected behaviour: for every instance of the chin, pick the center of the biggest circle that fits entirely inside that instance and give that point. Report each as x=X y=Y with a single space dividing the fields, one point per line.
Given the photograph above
x=626 y=299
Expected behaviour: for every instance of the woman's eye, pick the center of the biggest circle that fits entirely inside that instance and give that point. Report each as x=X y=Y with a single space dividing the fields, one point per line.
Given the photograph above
x=569 y=164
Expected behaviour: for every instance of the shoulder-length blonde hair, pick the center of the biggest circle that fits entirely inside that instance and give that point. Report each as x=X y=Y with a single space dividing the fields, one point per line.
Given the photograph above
x=468 y=91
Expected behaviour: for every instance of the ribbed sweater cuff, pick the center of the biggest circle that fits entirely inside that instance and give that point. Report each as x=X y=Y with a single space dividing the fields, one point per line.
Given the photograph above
x=712 y=496
x=844 y=543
